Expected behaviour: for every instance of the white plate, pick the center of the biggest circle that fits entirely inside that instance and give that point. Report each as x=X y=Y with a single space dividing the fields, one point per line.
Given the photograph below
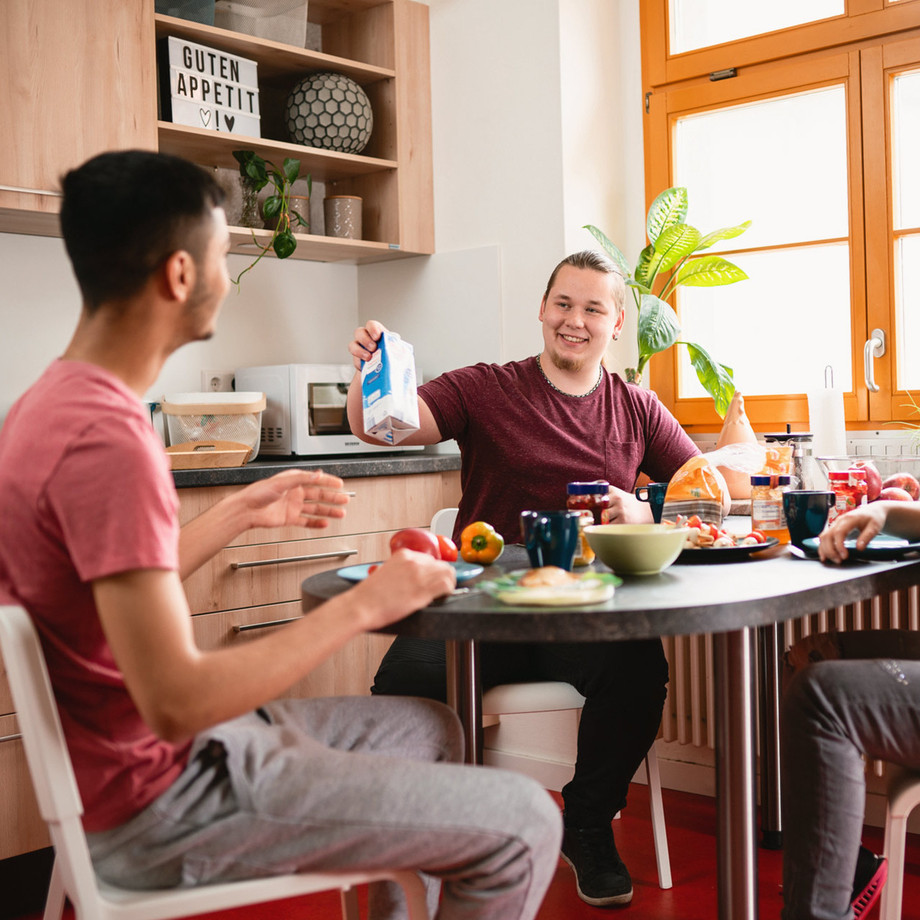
x=591 y=588
x=465 y=571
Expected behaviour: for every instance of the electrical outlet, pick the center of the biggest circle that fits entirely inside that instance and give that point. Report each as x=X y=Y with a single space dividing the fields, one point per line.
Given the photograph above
x=216 y=381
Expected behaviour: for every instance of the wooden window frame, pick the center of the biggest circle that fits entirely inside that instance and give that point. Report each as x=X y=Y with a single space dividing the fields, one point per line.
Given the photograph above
x=860 y=50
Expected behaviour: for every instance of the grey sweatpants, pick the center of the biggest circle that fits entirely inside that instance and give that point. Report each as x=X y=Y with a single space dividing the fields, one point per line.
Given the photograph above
x=834 y=712
x=345 y=783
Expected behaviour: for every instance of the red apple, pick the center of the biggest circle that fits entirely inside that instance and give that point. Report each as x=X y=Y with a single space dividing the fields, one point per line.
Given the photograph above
x=873 y=478
x=903 y=481
x=894 y=494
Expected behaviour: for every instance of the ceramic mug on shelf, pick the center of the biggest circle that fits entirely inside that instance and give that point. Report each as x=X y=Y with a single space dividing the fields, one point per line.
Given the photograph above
x=343 y=216
x=550 y=537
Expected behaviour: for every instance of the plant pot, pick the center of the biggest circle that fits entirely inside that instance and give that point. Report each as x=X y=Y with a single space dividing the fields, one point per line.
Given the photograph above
x=297 y=204
x=249 y=204
x=343 y=216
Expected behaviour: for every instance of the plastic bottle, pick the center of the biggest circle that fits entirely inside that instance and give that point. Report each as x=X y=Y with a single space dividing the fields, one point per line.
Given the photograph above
x=584 y=555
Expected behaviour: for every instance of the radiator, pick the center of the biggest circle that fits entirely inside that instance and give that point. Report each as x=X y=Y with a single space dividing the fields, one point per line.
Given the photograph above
x=688 y=712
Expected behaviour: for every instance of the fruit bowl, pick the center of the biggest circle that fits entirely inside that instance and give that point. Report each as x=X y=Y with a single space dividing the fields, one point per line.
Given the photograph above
x=636 y=549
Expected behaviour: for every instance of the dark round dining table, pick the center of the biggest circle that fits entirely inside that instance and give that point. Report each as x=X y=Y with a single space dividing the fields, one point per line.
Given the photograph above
x=726 y=595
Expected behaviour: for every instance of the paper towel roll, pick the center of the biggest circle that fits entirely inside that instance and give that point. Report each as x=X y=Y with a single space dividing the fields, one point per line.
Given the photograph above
x=826 y=423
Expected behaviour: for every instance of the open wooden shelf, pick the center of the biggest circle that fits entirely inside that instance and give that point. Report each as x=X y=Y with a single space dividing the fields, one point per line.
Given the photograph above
x=318 y=248
x=211 y=148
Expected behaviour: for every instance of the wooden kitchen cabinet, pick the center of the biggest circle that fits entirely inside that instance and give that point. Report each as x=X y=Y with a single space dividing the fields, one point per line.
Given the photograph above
x=73 y=83
x=73 y=86
x=224 y=598
x=255 y=582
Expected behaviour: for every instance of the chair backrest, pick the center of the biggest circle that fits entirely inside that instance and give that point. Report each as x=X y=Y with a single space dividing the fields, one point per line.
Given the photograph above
x=442 y=522
x=49 y=762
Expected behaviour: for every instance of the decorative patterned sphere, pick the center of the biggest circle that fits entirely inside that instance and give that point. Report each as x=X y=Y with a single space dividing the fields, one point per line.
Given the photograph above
x=329 y=110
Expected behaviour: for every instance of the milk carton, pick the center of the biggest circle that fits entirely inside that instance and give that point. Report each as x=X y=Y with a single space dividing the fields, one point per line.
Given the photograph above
x=388 y=390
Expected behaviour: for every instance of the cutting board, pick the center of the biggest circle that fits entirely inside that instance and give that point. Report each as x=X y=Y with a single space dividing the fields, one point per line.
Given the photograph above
x=203 y=455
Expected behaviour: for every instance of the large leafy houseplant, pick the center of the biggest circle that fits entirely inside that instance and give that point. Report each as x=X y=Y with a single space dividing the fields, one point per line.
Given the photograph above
x=669 y=260
x=260 y=172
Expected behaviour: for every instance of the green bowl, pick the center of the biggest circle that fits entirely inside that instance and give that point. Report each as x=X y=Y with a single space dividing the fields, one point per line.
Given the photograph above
x=636 y=549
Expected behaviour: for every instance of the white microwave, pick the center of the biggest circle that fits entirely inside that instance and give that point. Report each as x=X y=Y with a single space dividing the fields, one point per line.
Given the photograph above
x=305 y=412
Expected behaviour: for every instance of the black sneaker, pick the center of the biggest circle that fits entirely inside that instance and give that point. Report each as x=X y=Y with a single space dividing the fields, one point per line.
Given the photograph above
x=871 y=872
x=600 y=876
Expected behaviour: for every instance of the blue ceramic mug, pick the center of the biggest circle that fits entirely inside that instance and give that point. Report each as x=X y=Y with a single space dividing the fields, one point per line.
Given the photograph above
x=806 y=512
x=653 y=493
x=550 y=537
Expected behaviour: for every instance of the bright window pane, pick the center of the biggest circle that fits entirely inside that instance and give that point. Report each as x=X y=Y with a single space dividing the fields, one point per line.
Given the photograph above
x=699 y=23
x=905 y=120
x=780 y=328
x=907 y=299
x=780 y=163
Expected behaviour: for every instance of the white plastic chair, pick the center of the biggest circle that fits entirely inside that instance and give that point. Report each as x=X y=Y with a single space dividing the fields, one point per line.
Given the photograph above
x=60 y=806
x=903 y=798
x=557 y=696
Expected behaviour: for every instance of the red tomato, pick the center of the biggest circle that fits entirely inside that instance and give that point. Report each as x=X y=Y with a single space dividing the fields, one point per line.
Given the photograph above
x=694 y=521
x=447 y=548
x=414 y=538
x=757 y=535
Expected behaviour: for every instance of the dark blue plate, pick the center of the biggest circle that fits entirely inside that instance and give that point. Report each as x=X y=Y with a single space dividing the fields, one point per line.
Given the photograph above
x=707 y=555
x=882 y=546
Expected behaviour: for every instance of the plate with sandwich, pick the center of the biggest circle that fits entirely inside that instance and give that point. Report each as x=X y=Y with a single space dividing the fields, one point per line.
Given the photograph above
x=551 y=586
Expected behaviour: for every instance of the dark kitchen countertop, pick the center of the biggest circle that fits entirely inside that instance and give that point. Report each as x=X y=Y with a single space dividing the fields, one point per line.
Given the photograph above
x=349 y=467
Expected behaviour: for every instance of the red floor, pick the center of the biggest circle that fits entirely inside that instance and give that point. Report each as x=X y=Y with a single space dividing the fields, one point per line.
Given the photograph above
x=691 y=830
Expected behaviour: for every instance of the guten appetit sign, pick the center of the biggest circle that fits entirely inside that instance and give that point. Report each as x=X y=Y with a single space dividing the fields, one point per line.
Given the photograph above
x=209 y=88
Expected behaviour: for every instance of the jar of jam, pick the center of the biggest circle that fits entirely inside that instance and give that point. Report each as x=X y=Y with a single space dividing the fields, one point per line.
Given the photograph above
x=767 y=514
x=589 y=496
x=851 y=488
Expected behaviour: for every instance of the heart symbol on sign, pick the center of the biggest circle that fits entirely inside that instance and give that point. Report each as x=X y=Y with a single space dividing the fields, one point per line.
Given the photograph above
x=230 y=120
x=205 y=116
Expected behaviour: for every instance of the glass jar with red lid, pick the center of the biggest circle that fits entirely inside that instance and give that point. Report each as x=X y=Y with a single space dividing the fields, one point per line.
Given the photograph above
x=589 y=496
x=850 y=487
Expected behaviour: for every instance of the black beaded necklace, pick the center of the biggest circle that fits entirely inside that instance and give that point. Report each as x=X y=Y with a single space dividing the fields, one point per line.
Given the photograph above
x=600 y=376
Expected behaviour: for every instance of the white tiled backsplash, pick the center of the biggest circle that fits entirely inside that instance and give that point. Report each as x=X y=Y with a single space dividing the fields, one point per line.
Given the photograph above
x=859 y=443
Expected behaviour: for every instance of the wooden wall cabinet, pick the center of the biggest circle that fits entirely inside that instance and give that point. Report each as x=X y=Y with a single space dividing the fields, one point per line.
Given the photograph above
x=78 y=84
x=72 y=84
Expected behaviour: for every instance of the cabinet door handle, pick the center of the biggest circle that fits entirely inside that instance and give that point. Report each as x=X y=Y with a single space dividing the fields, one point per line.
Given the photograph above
x=339 y=554
x=874 y=348
x=247 y=626
x=15 y=737
x=31 y=191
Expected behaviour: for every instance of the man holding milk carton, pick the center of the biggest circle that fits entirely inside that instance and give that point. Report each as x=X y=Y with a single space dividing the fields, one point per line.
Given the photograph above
x=525 y=429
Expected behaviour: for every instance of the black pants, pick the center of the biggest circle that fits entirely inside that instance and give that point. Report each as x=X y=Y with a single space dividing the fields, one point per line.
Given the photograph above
x=624 y=685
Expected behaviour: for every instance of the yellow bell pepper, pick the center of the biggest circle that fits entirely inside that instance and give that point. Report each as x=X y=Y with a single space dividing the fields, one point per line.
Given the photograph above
x=479 y=542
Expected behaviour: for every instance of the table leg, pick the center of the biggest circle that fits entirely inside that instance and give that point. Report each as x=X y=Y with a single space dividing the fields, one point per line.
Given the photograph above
x=770 y=659
x=464 y=693
x=736 y=805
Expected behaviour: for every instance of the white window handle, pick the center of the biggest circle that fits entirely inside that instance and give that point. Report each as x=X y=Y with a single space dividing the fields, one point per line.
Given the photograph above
x=874 y=348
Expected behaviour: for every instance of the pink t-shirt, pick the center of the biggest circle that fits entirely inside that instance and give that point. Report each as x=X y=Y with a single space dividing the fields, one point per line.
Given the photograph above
x=522 y=441
x=86 y=492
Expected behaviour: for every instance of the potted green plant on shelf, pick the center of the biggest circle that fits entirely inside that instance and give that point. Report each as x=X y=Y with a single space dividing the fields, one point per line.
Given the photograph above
x=277 y=209
x=668 y=261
